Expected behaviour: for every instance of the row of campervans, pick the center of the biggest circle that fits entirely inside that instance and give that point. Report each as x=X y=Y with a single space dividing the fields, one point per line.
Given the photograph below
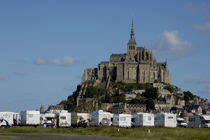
x=99 y=118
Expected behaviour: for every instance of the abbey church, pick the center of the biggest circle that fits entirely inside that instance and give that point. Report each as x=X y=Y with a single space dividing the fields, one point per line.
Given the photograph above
x=138 y=65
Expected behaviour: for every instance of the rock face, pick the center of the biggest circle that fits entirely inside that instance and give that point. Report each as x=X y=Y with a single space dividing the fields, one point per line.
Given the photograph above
x=136 y=66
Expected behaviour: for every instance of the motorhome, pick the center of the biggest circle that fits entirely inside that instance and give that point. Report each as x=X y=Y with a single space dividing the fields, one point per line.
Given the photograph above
x=100 y=118
x=64 y=119
x=122 y=120
x=8 y=116
x=165 y=120
x=30 y=117
x=80 y=119
x=199 y=121
x=143 y=119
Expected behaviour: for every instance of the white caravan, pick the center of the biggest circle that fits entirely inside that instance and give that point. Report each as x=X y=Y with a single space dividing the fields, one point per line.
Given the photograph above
x=199 y=121
x=80 y=119
x=165 y=120
x=8 y=116
x=64 y=119
x=122 y=120
x=30 y=117
x=100 y=118
x=143 y=119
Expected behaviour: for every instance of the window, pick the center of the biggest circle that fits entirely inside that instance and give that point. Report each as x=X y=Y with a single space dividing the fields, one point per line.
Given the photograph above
x=63 y=117
x=170 y=117
x=149 y=118
x=30 y=115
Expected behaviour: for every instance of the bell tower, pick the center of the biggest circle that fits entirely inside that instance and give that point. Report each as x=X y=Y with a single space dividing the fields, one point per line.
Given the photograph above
x=131 y=46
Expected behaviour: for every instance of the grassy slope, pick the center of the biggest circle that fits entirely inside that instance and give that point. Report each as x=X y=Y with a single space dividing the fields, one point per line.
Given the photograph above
x=135 y=133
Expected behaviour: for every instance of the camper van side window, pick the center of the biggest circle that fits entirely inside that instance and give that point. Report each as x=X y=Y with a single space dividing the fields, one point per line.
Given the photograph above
x=149 y=118
x=30 y=115
x=63 y=117
x=170 y=117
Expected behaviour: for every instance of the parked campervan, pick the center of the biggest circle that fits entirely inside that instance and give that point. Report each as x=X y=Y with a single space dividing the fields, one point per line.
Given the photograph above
x=64 y=119
x=199 y=121
x=165 y=120
x=100 y=118
x=143 y=119
x=8 y=117
x=30 y=117
x=122 y=120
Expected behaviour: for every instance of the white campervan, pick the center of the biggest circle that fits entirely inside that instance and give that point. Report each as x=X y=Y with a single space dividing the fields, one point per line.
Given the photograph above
x=143 y=119
x=8 y=117
x=122 y=120
x=165 y=120
x=199 y=121
x=30 y=117
x=100 y=118
x=64 y=119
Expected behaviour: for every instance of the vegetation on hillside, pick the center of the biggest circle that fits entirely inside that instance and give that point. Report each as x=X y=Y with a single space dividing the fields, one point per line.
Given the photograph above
x=188 y=96
x=116 y=94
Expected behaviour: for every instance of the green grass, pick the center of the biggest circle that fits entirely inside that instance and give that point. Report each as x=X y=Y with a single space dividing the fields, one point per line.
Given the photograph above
x=5 y=138
x=156 y=133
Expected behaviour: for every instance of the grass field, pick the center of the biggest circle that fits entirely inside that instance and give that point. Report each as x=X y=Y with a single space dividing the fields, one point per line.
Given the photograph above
x=156 y=133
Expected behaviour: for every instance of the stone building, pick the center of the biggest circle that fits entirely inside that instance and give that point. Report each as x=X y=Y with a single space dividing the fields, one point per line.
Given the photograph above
x=136 y=66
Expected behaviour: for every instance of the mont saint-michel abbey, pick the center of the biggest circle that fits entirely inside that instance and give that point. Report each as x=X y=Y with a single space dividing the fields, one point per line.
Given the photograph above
x=138 y=65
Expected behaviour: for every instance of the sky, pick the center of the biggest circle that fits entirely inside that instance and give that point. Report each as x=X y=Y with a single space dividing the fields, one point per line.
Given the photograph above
x=45 y=45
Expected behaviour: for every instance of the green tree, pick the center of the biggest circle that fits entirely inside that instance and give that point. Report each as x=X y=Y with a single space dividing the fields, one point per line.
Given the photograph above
x=170 y=88
x=150 y=93
x=150 y=105
x=188 y=96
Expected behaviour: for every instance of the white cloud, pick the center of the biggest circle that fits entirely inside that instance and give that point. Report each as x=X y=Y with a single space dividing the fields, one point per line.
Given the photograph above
x=172 y=46
x=202 y=27
x=65 y=61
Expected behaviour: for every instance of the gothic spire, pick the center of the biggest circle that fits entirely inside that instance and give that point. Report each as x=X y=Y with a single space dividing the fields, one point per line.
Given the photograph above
x=132 y=39
x=132 y=30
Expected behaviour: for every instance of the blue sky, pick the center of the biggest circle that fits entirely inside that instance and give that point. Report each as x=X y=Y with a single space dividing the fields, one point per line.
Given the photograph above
x=45 y=45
